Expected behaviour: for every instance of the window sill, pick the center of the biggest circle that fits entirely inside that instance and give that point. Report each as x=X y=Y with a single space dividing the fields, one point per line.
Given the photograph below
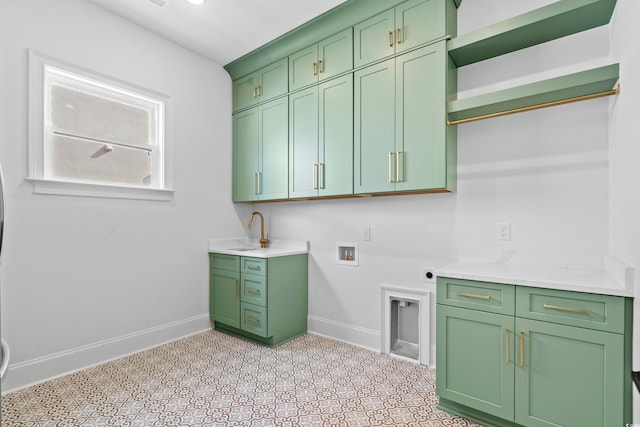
x=83 y=189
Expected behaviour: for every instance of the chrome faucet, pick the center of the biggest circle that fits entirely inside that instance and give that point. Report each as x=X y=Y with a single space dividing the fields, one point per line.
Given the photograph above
x=263 y=241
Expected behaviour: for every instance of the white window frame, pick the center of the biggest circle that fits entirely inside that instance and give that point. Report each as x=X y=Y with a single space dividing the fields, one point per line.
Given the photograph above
x=41 y=132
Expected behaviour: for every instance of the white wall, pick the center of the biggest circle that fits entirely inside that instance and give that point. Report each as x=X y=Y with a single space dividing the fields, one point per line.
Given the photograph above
x=625 y=156
x=546 y=172
x=84 y=279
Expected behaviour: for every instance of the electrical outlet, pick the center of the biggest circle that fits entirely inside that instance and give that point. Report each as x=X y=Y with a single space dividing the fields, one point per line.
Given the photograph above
x=503 y=231
x=428 y=275
x=366 y=234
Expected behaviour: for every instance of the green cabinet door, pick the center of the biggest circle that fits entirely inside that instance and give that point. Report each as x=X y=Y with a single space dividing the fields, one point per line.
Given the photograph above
x=419 y=21
x=569 y=376
x=273 y=175
x=335 y=55
x=335 y=150
x=322 y=60
x=260 y=150
x=303 y=67
x=420 y=161
x=401 y=29
x=261 y=86
x=321 y=139
x=303 y=143
x=374 y=38
x=246 y=148
x=224 y=299
x=374 y=127
x=475 y=358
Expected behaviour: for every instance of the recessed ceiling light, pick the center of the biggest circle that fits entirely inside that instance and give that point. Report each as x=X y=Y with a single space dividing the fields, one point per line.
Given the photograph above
x=196 y=2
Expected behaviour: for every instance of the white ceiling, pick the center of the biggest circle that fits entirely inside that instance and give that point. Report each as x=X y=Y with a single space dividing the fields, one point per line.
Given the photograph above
x=221 y=30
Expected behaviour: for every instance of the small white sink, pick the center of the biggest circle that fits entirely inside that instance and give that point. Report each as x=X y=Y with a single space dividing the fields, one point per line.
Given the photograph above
x=251 y=248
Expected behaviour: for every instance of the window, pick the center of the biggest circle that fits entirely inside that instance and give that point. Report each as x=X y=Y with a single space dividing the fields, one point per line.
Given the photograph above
x=95 y=136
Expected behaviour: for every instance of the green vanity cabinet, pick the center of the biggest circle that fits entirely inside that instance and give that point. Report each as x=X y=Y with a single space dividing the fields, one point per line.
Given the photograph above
x=402 y=28
x=263 y=299
x=519 y=356
x=322 y=60
x=400 y=137
x=260 y=86
x=260 y=152
x=321 y=139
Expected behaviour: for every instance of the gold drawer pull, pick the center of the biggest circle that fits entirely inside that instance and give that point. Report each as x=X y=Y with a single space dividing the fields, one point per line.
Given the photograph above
x=569 y=309
x=252 y=320
x=464 y=294
x=521 y=349
x=390 y=38
x=506 y=348
x=253 y=291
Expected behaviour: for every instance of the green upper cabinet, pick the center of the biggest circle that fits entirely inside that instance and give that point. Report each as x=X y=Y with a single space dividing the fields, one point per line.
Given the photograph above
x=260 y=86
x=260 y=152
x=321 y=61
x=321 y=139
x=401 y=141
x=407 y=26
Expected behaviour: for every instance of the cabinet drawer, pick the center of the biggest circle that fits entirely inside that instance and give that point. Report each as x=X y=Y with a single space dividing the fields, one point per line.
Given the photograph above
x=253 y=318
x=486 y=296
x=256 y=266
x=593 y=311
x=224 y=262
x=254 y=289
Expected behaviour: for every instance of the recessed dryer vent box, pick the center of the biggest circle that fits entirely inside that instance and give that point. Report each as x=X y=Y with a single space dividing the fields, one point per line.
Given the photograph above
x=347 y=253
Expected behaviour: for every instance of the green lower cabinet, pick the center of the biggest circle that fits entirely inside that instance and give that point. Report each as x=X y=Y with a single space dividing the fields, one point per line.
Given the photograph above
x=475 y=359
x=261 y=299
x=224 y=305
x=512 y=369
x=569 y=376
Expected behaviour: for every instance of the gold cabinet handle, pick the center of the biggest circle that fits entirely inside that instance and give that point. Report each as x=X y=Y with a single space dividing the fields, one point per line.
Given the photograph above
x=321 y=176
x=399 y=169
x=506 y=348
x=255 y=91
x=253 y=291
x=259 y=90
x=398 y=36
x=464 y=294
x=259 y=182
x=320 y=68
x=521 y=349
x=569 y=309
x=391 y=154
x=255 y=183
x=315 y=68
x=252 y=320
x=315 y=176
x=391 y=38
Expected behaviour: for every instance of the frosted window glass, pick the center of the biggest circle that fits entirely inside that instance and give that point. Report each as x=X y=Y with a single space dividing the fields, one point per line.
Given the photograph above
x=99 y=117
x=82 y=160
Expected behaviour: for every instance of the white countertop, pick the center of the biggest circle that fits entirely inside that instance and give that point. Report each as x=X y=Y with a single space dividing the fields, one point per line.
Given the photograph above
x=251 y=248
x=568 y=279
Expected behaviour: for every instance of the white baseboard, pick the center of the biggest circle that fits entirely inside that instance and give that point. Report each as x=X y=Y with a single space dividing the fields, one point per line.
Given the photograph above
x=34 y=371
x=345 y=332
x=354 y=335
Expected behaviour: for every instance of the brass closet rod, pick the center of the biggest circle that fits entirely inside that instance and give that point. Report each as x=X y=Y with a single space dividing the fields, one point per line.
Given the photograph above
x=615 y=91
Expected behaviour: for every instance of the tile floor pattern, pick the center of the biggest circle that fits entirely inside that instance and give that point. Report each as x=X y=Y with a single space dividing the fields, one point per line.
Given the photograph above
x=213 y=379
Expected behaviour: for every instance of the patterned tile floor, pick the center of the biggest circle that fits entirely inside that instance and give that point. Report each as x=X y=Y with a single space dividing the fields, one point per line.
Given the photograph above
x=212 y=379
